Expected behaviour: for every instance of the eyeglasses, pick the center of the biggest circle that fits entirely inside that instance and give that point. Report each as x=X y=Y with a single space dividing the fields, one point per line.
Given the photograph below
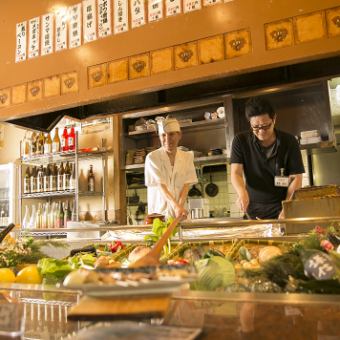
x=263 y=127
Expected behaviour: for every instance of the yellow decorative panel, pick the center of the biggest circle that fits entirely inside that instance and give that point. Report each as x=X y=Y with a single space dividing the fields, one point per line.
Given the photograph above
x=162 y=60
x=186 y=55
x=333 y=21
x=279 y=34
x=237 y=43
x=139 y=66
x=19 y=94
x=34 y=90
x=69 y=82
x=97 y=75
x=5 y=97
x=118 y=70
x=211 y=49
x=52 y=86
x=309 y=27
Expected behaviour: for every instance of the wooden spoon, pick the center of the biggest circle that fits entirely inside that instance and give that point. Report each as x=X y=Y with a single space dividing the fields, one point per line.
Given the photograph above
x=152 y=257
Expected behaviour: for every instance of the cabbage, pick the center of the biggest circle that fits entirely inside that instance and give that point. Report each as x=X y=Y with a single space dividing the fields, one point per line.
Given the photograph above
x=214 y=273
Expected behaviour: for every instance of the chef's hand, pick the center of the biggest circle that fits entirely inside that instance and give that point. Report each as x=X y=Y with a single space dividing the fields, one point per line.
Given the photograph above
x=243 y=200
x=180 y=212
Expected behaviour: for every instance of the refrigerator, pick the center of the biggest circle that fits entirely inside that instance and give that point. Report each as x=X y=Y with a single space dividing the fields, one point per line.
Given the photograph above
x=8 y=194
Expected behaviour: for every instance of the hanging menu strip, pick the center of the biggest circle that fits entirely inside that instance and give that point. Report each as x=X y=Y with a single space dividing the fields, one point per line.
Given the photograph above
x=104 y=18
x=155 y=10
x=137 y=10
x=20 y=52
x=47 y=34
x=89 y=20
x=211 y=2
x=173 y=7
x=74 y=32
x=121 y=19
x=33 y=37
x=61 y=29
x=191 y=5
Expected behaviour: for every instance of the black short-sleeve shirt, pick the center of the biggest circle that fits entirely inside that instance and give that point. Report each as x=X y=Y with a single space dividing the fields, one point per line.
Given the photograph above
x=260 y=171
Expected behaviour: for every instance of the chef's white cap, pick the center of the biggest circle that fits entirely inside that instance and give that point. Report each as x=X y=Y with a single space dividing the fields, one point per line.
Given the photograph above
x=168 y=125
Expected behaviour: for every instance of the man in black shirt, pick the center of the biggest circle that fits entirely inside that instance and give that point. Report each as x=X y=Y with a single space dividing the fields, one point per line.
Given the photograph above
x=266 y=163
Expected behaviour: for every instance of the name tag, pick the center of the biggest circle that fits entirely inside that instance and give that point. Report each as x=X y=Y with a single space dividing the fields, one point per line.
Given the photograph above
x=281 y=181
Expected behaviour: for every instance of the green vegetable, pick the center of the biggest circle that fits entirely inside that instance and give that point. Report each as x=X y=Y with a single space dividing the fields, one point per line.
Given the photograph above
x=244 y=253
x=214 y=273
x=53 y=270
x=158 y=229
x=213 y=252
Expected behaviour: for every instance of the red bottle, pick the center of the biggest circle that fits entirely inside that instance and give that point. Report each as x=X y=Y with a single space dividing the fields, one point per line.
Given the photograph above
x=64 y=140
x=71 y=141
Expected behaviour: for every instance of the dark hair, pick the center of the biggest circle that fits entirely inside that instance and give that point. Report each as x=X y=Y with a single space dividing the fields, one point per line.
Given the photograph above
x=257 y=106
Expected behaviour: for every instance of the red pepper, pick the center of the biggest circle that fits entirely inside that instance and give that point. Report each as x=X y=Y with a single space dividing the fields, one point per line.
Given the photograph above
x=118 y=245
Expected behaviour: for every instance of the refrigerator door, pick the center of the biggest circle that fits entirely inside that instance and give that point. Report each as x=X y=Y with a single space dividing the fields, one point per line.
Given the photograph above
x=7 y=194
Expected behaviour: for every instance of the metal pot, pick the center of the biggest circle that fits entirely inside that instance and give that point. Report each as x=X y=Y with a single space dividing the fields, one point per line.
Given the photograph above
x=194 y=192
x=211 y=189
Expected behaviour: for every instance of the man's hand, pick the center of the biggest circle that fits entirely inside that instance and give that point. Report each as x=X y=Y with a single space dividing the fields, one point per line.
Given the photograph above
x=243 y=200
x=180 y=212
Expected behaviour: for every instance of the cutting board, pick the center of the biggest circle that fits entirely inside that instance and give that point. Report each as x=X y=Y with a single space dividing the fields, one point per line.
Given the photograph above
x=118 y=308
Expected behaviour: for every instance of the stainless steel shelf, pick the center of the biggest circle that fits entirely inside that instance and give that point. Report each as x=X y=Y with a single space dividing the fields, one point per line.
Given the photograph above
x=49 y=194
x=198 y=160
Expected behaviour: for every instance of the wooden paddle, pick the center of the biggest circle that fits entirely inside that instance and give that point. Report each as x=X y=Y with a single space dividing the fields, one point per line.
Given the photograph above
x=152 y=258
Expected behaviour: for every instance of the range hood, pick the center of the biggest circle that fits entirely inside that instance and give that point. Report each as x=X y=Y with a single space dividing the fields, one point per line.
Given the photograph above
x=319 y=69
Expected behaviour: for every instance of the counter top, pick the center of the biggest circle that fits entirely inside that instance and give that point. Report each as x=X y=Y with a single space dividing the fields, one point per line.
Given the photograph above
x=240 y=315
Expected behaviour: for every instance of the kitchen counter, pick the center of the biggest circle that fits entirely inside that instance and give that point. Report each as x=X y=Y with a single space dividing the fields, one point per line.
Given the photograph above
x=236 y=315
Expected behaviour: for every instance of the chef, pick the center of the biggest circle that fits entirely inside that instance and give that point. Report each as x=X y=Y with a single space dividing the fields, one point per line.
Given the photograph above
x=266 y=163
x=169 y=172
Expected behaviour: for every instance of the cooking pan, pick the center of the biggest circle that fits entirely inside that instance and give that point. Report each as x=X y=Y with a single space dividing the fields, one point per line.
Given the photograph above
x=194 y=192
x=211 y=189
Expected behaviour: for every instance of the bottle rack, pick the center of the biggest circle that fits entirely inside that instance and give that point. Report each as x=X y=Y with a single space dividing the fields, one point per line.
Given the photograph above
x=74 y=157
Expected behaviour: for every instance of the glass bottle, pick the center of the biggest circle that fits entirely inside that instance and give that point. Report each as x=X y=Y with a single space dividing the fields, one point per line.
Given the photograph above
x=90 y=180
x=67 y=176
x=40 y=144
x=71 y=141
x=33 y=143
x=27 y=181
x=48 y=144
x=53 y=178
x=74 y=212
x=46 y=179
x=60 y=177
x=64 y=140
x=34 y=180
x=40 y=179
x=26 y=219
x=61 y=215
x=67 y=213
x=38 y=217
x=32 y=222
x=56 y=141
x=72 y=184
x=25 y=152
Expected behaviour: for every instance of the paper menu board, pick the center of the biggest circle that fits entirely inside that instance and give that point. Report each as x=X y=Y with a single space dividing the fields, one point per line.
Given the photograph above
x=74 y=32
x=104 y=18
x=137 y=12
x=89 y=20
x=20 y=51
x=191 y=5
x=121 y=16
x=47 y=34
x=211 y=2
x=61 y=29
x=155 y=10
x=33 y=37
x=173 y=7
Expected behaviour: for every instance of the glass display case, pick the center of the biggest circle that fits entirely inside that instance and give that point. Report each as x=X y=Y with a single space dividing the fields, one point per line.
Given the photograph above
x=7 y=194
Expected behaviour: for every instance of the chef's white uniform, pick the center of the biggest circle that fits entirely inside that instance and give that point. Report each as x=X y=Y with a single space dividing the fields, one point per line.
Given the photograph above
x=158 y=170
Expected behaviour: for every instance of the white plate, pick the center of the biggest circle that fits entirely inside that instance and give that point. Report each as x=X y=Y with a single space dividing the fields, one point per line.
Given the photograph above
x=138 y=288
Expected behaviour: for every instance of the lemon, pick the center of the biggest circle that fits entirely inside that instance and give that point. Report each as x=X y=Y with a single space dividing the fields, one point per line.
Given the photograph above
x=6 y=275
x=29 y=274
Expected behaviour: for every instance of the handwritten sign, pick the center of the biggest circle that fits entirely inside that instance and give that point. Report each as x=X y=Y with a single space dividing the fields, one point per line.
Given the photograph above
x=173 y=7
x=155 y=10
x=211 y=2
x=33 y=37
x=104 y=18
x=137 y=10
x=74 y=32
x=21 y=34
x=61 y=29
x=89 y=20
x=191 y=5
x=47 y=34
x=121 y=18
